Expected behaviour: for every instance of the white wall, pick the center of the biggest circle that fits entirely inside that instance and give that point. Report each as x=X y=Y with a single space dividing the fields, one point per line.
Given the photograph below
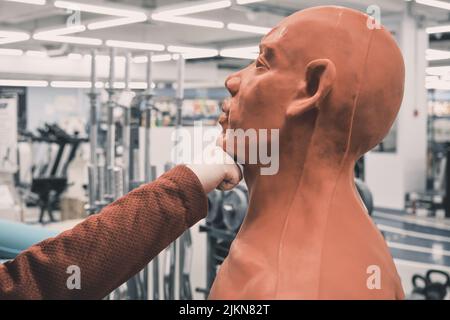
x=384 y=176
x=412 y=133
x=56 y=105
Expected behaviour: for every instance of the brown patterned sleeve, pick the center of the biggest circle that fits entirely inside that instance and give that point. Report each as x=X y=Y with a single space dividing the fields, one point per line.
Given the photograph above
x=111 y=246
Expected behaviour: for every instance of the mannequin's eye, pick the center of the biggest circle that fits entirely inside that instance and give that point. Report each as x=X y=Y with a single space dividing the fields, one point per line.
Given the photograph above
x=260 y=63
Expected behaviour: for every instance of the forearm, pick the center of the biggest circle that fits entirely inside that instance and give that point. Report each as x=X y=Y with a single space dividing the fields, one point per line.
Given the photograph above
x=111 y=246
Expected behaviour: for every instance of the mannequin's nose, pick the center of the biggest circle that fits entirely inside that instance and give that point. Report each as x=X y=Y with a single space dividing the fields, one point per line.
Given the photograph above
x=233 y=83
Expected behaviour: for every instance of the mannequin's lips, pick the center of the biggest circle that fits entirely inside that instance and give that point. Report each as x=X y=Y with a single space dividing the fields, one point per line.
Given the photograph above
x=226 y=105
x=225 y=115
x=223 y=121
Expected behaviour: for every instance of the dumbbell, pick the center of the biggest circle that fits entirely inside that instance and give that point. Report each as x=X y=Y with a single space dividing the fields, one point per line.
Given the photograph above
x=234 y=207
x=214 y=216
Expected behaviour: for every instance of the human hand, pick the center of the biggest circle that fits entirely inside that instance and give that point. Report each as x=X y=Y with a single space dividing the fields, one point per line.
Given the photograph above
x=217 y=169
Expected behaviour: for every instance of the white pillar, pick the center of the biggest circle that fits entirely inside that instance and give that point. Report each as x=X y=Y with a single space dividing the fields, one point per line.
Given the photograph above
x=391 y=175
x=412 y=119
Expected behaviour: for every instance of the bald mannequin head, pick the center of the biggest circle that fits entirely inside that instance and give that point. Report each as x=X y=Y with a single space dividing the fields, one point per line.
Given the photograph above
x=321 y=66
x=333 y=87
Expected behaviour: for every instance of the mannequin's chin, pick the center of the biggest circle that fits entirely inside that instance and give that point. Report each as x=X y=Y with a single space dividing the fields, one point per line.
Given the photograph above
x=237 y=153
x=223 y=141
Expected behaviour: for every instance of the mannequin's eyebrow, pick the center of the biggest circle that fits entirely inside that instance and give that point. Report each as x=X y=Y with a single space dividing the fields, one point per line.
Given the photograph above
x=270 y=33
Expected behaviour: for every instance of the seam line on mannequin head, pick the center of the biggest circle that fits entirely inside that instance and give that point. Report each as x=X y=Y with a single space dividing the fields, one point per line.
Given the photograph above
x=347 y=148
x=339 y=18
x=358 y=92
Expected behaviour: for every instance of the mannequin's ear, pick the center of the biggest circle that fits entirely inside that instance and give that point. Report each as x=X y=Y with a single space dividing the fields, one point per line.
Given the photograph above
x=320 y=76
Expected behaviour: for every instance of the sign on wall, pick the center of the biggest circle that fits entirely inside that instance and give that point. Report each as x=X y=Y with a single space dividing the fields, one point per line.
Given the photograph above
x=8 y=135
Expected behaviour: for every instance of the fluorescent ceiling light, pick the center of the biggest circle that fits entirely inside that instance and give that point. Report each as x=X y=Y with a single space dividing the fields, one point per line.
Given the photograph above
x=438 y=85
x=248 y=1
x=161 y=58
x=189 y=56
x=119 y=85
x=37 y=2
x=106 y=58
x=75 y=56
x=115 y=22
x=133 y=85
x=189 y=21
x=76 y=40
x=195 y=55
x=13 y=36
x=81 y=84
x=11 y=52
x=71 y=84
x=36 y=54
x=438 y=29
x=23 y=83
x=182 y=49
x=60 y=31
x=78 y=6
x=239 y=55
x=178 y=15
x=432 y=78
x=138 y=85
x=250 y=53
x=142 y=59
x=438 y=71
x=195 y=8
x=155 y=58
x=135 y=45
x=248 y=28
x=433 y=55
x=203 y=85
x=42 y=36
x=103 y=59
x=116 y=85
x=192 y=52
x=125 y=16
x=61 y=35
x=435 y=3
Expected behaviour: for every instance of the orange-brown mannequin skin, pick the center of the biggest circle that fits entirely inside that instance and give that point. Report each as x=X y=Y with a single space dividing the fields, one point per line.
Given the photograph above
x=333 y=87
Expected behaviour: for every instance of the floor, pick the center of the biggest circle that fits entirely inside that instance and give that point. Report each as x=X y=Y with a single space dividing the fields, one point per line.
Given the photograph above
x=416 y=243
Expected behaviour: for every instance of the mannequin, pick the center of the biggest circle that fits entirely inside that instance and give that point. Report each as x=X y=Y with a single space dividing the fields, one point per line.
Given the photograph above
x=333 y=87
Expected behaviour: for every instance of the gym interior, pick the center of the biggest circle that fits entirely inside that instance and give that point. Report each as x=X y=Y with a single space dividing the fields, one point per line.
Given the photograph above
x=94 y=95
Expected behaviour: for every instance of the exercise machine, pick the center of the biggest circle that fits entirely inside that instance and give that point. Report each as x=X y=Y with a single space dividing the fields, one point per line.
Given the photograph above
x=49 y=175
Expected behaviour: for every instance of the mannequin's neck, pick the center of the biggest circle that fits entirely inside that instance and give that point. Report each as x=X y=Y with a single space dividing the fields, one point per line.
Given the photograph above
x=305 y=176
